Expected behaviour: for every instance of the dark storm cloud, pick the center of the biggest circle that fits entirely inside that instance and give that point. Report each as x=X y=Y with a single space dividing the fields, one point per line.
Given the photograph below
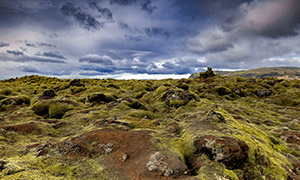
x=123 y=2
x=51 y=35
x=30 y=45
x=148 y=7
x=105 y=12
x=267 y=18
x=3 y=44
x=84 y=19
x=38 y=59
x=47 y=45
x=155 y=31
x=124 y=25
x=15 y=52
x=145 y=5
x=273 y=18
x=104 y=60
x=26 y=58
x=51 y=55
x=29 y=69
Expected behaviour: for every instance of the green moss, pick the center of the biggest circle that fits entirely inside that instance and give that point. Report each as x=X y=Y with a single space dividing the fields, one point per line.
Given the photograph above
x=22 y=100
x=76 y=90
x=57 y=110
x=161 y=90
x=141 y=114
x=41 y=108
x=6 y=91
x=177 y=102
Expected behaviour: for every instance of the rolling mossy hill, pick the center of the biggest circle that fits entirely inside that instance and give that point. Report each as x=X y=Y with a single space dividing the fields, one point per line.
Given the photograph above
x=212 y=127
x=289 y=73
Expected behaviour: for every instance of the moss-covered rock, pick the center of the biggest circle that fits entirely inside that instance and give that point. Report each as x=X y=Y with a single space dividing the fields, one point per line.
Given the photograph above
x=57 y=110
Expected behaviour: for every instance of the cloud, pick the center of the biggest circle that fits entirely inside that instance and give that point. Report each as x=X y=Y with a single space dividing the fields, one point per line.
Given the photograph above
x=266 y=18
x=47 y=45
x=84 y=19
x=27 y=6
x=145 y=5
x=29 y=69
x=94 y=58
x=155 y=31
x=3 y=44
x=211 y=40
x=30 y=45
x=106 y=13
x=51 y=55
x=21 y=57
x=15 y=53
x=272 y=18
x=148 y=7
x=123 y=2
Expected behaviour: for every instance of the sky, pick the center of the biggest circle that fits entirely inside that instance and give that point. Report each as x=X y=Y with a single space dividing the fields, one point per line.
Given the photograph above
x=145 y=38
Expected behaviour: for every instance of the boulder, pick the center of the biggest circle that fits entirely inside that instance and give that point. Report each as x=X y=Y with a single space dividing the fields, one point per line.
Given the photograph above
x=177 y=98
x=213 y=116
x=229 y=151
x=48 y=94
x=264 y=93
x=76 y=82
x=167 y=165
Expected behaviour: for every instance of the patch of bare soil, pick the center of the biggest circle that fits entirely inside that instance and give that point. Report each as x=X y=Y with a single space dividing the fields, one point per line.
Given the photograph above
x=27 y=128
x=125 y=153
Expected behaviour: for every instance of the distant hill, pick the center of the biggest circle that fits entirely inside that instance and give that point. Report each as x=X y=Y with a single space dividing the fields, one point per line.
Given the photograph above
x=289 y=73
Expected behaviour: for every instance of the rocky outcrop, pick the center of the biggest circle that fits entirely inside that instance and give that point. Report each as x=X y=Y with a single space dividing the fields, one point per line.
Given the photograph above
x=229 y=151
x=166 y=165
x=177 y=98
x=48 y=94
x=213 y=116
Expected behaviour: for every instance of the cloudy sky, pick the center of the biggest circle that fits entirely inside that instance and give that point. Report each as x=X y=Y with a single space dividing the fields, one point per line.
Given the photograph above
x=144 y=38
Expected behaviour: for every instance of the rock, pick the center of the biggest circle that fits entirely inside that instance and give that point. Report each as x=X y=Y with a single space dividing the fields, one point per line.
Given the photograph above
x=107 y=148
x=291 y=137
x=8 y=168
x=124 y=157
x=208 y=74
x=229 y=151
x=213 y=116
x=2 y=164
x=76 y=82
x=99 y=97
x=173 y=128
x=68 y=147
x=113 y=86
x=294 y=161
x=43 y=149
x=8 y=101
x=177 y=98
x=166 y=165
x=48 y=94
x=264 y=93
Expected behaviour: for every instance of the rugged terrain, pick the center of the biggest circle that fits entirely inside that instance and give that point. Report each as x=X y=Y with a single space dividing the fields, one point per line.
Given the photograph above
x=210 y=127
x=289 y=73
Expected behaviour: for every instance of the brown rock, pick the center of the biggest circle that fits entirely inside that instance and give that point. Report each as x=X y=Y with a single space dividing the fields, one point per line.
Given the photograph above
x=291 y=137
x=48 y=94
x=229 y=151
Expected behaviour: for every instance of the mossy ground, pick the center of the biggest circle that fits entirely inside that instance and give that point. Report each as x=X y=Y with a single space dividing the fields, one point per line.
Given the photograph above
x=258 y=119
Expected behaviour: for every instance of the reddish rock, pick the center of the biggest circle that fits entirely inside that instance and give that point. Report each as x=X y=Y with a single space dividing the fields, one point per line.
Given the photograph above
x=291 y=137
x=229 y=151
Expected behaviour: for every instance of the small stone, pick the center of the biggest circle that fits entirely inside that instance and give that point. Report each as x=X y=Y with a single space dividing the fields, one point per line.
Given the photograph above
x=124 y=157
x=151 y=166
x=107 y=149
